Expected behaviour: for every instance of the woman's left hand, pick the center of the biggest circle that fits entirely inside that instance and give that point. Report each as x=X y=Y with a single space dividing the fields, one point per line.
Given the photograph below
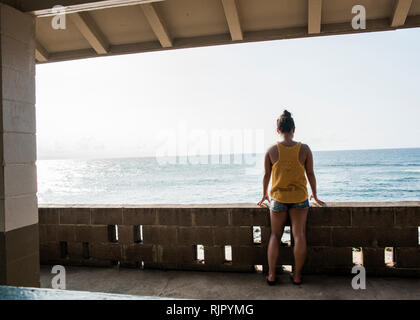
x=317 y=201
x=261 y=202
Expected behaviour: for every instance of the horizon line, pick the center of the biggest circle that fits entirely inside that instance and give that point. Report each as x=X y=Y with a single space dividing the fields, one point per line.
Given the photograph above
x=209 y=155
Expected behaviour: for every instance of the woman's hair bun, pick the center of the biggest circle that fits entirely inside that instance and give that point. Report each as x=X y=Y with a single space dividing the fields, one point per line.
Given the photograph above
x=285 y=123
x=286 y=114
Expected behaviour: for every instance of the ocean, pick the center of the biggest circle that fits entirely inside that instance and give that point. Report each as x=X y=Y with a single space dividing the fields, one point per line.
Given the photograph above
x=360 y=175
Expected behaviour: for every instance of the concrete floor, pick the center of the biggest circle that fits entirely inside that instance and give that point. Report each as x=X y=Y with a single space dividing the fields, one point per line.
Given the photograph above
x=219 y=285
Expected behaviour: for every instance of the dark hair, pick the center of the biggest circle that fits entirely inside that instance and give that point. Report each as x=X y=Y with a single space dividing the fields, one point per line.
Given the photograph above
x=285 y=123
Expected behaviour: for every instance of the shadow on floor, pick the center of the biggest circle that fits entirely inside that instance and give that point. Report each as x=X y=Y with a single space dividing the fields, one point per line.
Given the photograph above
x=226 y=285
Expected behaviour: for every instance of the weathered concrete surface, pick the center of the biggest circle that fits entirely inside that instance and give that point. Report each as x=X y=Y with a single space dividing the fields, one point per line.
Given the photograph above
x=219 y=285
x=168 y=238
x=233 y=205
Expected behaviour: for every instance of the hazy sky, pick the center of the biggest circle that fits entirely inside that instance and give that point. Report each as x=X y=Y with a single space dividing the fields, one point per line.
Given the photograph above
x=345 y=92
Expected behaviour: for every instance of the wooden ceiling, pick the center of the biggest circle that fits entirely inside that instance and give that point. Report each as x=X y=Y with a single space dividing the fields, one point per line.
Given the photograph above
x=113 y=27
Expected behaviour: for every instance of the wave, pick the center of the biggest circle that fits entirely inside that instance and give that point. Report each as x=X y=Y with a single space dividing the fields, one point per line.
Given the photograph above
x=372 y=165
x=404 y=179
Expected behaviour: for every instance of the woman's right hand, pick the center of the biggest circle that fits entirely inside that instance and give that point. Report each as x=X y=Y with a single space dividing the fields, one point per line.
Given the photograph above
x=261 y=202
x=317 y=201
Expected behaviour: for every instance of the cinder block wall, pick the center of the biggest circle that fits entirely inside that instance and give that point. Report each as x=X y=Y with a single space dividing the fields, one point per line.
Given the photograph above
x=71 y=235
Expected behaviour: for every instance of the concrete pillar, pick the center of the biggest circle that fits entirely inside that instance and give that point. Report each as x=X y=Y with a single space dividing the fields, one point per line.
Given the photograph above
x=19 y=237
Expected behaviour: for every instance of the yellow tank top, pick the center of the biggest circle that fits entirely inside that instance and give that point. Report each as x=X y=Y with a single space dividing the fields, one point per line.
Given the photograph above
x=288 y=183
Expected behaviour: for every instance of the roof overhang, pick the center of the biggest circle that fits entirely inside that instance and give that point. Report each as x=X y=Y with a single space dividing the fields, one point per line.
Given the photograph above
x=113 y=27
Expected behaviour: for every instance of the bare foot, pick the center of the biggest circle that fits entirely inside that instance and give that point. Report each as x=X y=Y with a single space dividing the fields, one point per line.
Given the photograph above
x=297 y=278
x=271 y=277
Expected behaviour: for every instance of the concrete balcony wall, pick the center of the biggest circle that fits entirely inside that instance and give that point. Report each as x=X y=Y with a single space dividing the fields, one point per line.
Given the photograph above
x=85 y=235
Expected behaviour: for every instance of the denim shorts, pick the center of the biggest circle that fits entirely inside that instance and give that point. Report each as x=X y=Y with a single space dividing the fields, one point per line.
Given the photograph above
x=279 y=206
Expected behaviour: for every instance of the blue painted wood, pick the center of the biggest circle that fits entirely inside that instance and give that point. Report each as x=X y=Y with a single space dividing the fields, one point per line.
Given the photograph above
x=20 y=293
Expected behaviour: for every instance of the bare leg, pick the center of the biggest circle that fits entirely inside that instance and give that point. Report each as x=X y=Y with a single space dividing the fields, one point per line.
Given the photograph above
x=278 y=220
x=298 y=219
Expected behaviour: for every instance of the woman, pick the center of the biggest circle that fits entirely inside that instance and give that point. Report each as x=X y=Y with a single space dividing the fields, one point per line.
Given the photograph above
x=286 y=162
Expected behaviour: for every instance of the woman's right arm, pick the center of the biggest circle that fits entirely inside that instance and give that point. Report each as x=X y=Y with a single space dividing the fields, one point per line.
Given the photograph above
x=266 y=179
x=309 y=167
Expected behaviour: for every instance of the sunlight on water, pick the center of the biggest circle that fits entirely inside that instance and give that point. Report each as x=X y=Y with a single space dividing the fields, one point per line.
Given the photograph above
x=372 y=175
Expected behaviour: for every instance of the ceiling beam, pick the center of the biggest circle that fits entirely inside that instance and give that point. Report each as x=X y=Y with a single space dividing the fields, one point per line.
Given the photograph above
x=40 y=53
x=157 y=23
x=88 y=28
x=402 y=8
x=314 y=16
x=232 y=17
